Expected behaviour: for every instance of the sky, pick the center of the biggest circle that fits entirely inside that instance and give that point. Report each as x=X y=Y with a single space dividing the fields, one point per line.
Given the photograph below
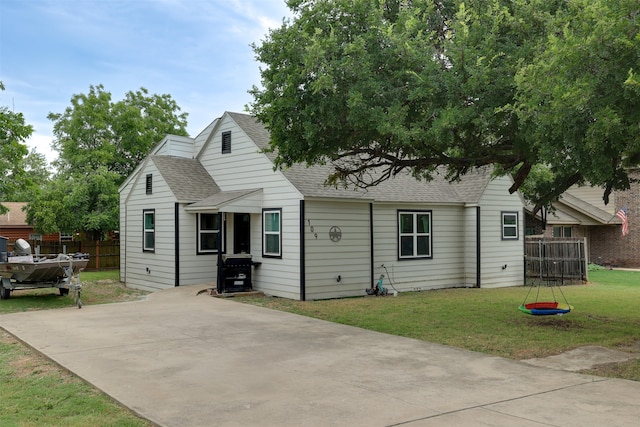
x=197 y=51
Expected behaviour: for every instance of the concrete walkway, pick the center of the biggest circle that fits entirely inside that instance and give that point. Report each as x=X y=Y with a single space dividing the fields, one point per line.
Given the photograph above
x=180 y=359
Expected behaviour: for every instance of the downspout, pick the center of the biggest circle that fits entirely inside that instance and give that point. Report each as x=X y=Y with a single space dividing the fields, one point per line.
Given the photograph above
x=176 y=228
x=478 y=240
x=302 y=254
x=371 y=255
x=219 y=278
x=123 y=249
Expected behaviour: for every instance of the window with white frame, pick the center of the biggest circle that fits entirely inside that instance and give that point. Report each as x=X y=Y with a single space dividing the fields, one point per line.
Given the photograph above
x=208 y=232
x=149 y=231
x=509 y=225
x=272 y=232
x=414 y=234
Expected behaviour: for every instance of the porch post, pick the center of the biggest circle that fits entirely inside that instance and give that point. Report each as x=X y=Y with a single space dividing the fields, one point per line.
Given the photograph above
x=219 y=279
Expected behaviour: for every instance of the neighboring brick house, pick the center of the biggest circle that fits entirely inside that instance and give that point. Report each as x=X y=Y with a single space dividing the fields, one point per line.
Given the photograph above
x=581 y=213
x=13 y=225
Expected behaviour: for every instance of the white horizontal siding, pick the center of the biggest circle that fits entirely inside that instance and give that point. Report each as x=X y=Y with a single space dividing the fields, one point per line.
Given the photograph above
x=445 y=269
x=279 y=276
x=146 y=270
x=194 y=268
x=178 y=146
x=326 y=260
x=496 y=252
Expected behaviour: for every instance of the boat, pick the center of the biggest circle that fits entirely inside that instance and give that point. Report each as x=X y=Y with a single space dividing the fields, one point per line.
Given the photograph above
x=21 y=269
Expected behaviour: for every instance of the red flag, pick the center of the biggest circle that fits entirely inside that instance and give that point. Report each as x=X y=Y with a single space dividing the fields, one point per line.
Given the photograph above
x=622 y=214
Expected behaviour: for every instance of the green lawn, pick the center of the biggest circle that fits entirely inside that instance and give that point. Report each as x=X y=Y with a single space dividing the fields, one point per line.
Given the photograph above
x=488 y=320
x=98 y=287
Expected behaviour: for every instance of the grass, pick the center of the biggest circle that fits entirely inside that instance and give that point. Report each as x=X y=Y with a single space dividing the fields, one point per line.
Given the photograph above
x=488 y=320
x=98 y=287
x=36 y=392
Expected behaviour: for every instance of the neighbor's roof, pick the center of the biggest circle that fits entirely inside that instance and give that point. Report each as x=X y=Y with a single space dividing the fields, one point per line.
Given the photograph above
x=187 y=178
x=588 y=209
x=16 y=217
x=572 y=210
x=310 y=181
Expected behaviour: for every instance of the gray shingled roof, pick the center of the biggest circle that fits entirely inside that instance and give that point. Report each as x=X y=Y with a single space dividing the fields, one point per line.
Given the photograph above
x=401 y=188
x=187 y=178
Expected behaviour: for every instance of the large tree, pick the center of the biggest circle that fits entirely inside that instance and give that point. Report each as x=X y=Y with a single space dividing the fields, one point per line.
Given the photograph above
x=379 y=86
x=33 y=178
x=95 y=131
x=100 y=142
x=14 y=131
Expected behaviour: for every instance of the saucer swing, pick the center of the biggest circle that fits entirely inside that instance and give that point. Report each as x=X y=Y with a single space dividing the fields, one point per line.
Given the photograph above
x=545 y=308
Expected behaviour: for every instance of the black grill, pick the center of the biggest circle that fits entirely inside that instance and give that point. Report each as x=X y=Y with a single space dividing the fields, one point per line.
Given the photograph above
x=236 y=273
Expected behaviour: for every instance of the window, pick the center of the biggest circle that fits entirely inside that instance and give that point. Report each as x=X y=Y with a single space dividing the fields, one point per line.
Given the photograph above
x=414 y=234
x=226 y=142
x=509 y=225
x=208 y=232
x=149 y=233
x=149 y=184
x=271 y=234
x=560 y=231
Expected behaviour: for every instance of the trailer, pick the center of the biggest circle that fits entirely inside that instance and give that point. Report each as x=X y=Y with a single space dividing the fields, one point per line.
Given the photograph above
x=21 y=269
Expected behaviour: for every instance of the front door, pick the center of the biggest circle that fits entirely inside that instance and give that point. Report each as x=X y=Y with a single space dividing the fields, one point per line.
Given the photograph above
x=241 y=233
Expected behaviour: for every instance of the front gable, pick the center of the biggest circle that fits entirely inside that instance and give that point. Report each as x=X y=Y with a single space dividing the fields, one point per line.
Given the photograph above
x=232 y=154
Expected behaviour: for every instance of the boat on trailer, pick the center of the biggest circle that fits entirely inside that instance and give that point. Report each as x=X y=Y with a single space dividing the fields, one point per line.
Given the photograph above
x=21 y=269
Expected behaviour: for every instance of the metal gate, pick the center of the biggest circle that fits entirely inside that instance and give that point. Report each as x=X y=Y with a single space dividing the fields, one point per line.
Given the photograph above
x=555 y=261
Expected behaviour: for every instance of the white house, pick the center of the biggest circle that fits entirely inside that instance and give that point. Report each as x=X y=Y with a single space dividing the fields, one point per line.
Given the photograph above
x=195 y=201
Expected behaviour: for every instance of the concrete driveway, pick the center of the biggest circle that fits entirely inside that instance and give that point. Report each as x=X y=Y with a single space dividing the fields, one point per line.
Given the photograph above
x=181 y=359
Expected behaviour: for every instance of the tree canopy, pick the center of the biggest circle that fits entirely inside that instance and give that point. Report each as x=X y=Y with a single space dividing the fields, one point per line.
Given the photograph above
x=375 y=87
x=14 y=131
x=100 y=142
x=95 y=131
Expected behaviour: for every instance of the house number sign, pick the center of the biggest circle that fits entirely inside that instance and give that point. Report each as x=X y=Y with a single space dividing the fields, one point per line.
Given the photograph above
x=335 y=234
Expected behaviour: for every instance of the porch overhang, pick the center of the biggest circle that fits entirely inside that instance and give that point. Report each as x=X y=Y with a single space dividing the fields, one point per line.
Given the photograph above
x=246 y=201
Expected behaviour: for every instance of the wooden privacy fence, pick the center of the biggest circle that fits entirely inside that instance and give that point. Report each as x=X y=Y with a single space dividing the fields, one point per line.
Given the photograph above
x=555 y=260
x=102 y=255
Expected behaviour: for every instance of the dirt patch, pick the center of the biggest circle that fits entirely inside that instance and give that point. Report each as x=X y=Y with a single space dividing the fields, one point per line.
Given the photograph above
x=583 y=358
x=26 y=363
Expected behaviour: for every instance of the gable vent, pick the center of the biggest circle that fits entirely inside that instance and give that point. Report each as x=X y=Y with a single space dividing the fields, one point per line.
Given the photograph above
x=226 y=142
x=149 y=185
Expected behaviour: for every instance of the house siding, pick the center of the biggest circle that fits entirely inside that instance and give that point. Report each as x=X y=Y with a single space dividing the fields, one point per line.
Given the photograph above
x=194 y=268
x=149 y=270
x=326 y=259
x=174 y=145
x=496 y=252
x=444 y=269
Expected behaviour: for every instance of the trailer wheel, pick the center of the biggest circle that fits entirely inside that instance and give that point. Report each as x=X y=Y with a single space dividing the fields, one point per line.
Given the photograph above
x=4 y=292
x=64 y=291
